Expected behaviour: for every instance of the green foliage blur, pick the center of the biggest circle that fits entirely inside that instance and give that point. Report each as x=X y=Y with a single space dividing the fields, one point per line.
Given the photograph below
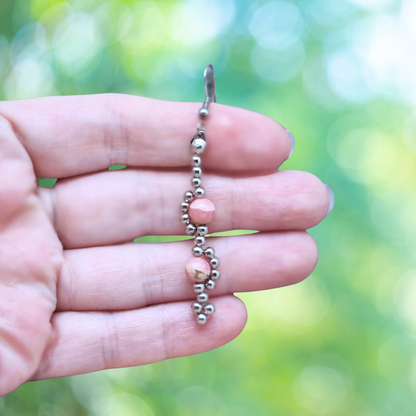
x=340 y=74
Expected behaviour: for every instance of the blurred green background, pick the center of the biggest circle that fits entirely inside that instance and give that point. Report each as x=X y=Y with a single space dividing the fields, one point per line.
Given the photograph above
x=341 y=74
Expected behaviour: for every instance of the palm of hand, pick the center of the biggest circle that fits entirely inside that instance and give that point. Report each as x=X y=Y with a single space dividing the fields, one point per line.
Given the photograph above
x=89 y=299
x=32 y=257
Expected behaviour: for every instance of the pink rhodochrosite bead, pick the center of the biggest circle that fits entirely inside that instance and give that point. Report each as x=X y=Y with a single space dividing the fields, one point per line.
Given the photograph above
x=201 y=211
x=197 y=269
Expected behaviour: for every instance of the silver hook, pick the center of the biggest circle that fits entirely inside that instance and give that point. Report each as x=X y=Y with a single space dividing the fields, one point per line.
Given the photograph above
x=209 y=80
x=210 y=92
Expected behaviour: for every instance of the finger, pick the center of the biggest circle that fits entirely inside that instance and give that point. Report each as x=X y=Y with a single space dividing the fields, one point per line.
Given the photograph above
x=67 y=136
x=136 y=275
x=118 y=206
x=92 y=341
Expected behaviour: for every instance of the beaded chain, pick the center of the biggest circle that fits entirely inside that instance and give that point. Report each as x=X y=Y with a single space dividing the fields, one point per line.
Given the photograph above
x=197 y=212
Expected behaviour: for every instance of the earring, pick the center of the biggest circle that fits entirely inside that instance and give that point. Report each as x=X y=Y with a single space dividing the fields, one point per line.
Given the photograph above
x=198 y=211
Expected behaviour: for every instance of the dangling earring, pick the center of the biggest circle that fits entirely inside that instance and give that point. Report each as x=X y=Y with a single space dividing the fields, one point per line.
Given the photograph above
x=198 y=211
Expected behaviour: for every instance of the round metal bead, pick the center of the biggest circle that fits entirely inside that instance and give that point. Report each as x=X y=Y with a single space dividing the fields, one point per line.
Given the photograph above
x=209 y=252
x=196 y=182
x=185 y=218
x=197 y=251
x=189 y=195
x=209 y=308
x=201 y=319
x=203 y=112
x=184 y=206
x=199 y=287
x=202 y=229
x=197 y=172
x=210 y=284
x=215 y=274
x=215 y=262
x=202 y=297
x=198 y=144
x=199 y=240
x=196 y=307
x=199 y=192
x=190 y=229
x=196 y=160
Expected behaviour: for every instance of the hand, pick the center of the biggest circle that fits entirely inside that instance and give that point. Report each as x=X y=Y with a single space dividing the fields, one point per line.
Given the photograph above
x=76 y=295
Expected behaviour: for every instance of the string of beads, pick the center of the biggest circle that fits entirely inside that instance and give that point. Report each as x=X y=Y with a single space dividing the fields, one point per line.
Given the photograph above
x=197 y=212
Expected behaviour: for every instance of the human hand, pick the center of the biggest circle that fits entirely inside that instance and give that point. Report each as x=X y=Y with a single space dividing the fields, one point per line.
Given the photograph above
x=76 y=295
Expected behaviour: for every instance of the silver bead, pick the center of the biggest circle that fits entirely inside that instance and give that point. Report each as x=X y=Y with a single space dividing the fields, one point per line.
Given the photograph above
x=196 y=307
x=197 y=172
x=199 y=192
x=210 y=284
x=203 y=112
x=202 y=297
x=189 y=195
x=209 y=252
x=190 y=229
x=202 y=229
x=215 y=274
x=196 y=160
x=199 y=287
x=209 y=308
x=184 y=206
x=196 y=182
x=214 y=262
x=198 y=144
x=185 y=218
x=197 y=251
x=201 y=319
x=199 y=240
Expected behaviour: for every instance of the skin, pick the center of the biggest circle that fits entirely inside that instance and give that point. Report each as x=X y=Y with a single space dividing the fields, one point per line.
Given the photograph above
x=76 y=295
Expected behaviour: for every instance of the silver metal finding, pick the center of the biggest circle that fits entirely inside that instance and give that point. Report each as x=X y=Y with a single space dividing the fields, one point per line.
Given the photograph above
x=201 y=308
x=210 y=91
x=209 y=252
x=199 y=144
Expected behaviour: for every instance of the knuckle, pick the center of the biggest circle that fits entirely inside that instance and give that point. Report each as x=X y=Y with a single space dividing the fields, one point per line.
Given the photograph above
x=110 y=343
x=116 y=135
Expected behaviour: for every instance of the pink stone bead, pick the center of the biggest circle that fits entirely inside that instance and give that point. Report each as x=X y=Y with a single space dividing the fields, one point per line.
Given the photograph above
x=201 y=211
x=197 y=269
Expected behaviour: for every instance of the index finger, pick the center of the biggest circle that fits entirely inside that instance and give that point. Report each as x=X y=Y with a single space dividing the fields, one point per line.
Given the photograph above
x=72 y=135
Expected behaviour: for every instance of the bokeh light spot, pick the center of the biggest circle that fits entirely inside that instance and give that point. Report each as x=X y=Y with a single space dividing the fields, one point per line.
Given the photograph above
x=409 y=133
x=195 y=22
x=28 y=79
x=125 y=404
x=322 y=390
x=371 y=4
x=404 y=296
x=316 y=84
x=276 y=24
x=142 y=28
x=301 y=305
x=76 y=41
x=347 y=77
x=278 y=66
x=394 y=358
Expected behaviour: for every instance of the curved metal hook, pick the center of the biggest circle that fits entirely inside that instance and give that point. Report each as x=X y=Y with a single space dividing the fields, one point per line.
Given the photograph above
x=209 y=80
x=210 y=97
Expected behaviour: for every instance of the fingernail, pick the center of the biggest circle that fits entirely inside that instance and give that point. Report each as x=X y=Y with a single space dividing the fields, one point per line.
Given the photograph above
x=331 y=197
x=292 y=142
